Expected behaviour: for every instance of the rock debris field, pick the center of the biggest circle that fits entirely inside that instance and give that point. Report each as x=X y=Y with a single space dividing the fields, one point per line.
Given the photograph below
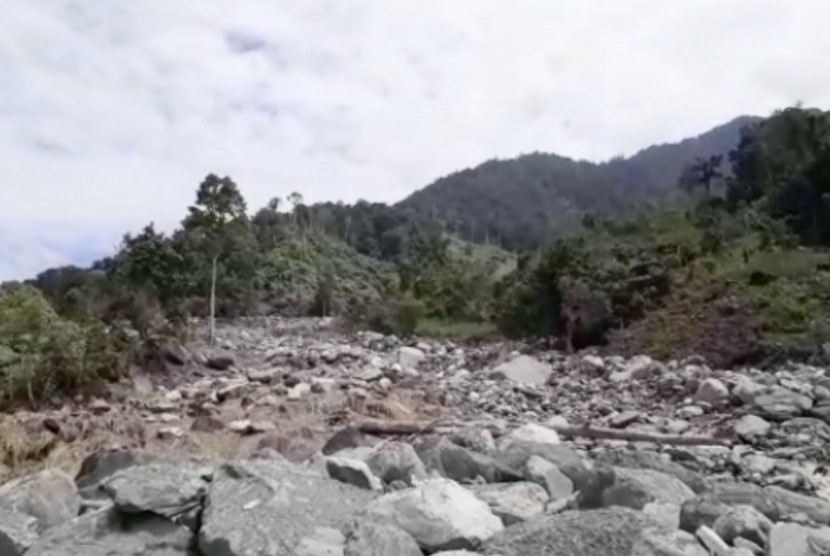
x=292 y=438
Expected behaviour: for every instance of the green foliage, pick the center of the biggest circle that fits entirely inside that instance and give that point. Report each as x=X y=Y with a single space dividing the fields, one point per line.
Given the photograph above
x=43 y=355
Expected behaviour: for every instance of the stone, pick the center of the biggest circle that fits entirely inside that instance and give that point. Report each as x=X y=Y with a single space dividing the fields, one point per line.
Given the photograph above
x=99 y=406
x=523 y=369
x=743 y=521
x=624 y=418
x=174 y=352
x=712 y=391
x=587 y=478
x=644 y=459
x=439 y=514
x=531 y=432
x=456 y=553
x=165 y=489
x=780 y=404
x=262 y=507
x=49 y=496
x=299 y=391
x=410 y=357
x=476 y=439
x=343 y=439
x=460 y=464
x=322 y=541
x=206 y=423
x=367 y=538
x=169 y=433
x=642 y=367
x=668 y=515
x=634 y=488
x=792 y=539
x=353 y=472
x=235 y=390
x=746 y=390
x=547 y=475
x=396 y=461
x=690 y=411
x=101 y=465
x=656 y=541
x=106 y=532
x=264 y=376
x=219 y=362
x=295 y=449
x=513 y=502
x=18 y=532
x=750 y=427
x=603 y=532
x=241 y=426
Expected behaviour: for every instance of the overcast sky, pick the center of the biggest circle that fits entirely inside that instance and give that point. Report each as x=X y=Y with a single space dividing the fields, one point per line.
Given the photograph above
x=112 y=111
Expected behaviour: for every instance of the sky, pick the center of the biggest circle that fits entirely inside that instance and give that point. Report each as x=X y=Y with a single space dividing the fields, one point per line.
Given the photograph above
x=112 y=112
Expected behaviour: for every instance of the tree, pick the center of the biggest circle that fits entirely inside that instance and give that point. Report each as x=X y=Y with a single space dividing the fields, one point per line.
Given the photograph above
x=218 y=213
x=702 y=172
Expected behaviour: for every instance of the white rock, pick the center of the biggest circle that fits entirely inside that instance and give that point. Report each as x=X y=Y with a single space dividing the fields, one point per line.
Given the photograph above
x=690 y=411
x=299 y=391
x=712 y=391
x=173 y=396
x=438 y=514
x=410 y=357
x=523 y=369
x=532 y=432
x=642 y=367
x=751 y=426
x=513 y=502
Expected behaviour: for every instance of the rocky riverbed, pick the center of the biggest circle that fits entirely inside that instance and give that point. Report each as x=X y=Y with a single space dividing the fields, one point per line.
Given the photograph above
x=290 y=437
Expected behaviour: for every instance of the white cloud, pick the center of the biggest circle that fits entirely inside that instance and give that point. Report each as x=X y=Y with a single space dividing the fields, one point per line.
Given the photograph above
x=111 y=112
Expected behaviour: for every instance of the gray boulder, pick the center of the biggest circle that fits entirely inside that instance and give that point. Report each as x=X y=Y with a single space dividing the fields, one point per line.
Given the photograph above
x=410 y=357
x=439 y=514
x=524 y=370
x=106 y=532
x=396 y=461
x=547 y=475
x=792 y=539
x=634 y=488
x=587 y=477
x=750 y=427
x=264 y=507
x=656 y=541
x=745 y=522
x=643 y=459
x=460 y=464
x=343 y=439
x=101 y=465
x=18 y=532
x=476 y=439
x=50 y=496
x=513 y=502
x=712 y=391
x=367 y=538
x=780 y=404
x=605 y=532
x=164 y=489
x=352 y=471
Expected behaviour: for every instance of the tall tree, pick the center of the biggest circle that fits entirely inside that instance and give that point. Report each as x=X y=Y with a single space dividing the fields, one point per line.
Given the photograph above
x=218 y=213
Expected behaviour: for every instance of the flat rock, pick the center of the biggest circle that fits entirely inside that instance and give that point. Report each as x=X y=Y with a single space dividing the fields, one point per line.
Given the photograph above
x=367 y=538
x=439 y=514
x=106 y=532
x=165 y=489
x=18 y=532
x=780 y=404
x=792 y=539
x=605 y=532
x=50 y=496
x=261 y=507
x=513 y=502
x=634 y=488
x=523 y=369
x=642 y=459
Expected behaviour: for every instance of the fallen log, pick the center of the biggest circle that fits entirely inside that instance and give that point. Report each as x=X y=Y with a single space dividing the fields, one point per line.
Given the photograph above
x=406 y=428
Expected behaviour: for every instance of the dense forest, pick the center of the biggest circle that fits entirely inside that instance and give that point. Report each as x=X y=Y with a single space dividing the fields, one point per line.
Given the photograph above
x=715 y=246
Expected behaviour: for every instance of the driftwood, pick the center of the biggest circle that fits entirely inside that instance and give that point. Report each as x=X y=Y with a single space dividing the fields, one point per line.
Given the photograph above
x=407 y=428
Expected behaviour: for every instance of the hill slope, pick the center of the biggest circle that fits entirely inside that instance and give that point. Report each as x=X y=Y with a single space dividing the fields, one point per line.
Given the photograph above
x=521 y=202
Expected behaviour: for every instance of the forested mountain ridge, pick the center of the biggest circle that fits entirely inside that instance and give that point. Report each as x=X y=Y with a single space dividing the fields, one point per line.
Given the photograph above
x=523 y=202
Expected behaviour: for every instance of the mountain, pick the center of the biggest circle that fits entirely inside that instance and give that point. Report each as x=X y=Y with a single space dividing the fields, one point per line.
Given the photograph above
x=524 y=201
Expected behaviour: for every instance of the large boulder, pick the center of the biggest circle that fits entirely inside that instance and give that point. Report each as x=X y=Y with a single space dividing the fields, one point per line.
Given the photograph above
x=750 y=427
x=50 y=496
x=547 y=475
x=101 y=465
x=588 y=478
x=368 y=538
x=643 y=459
x=773 y=502
x=18 y=532
x=460 y=464
x=523 y=369
x=164 y=489
x=634 y=488
x=513 y=502
x=107 y=532
x=396 y=461
x=792 y=539
x=263 y=507
x=352 y=471
x=712 y=391
x=780 y=404
x=440 y=515
x=605 y=532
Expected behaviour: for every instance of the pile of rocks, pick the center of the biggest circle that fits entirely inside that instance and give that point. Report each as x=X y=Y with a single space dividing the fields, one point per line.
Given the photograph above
x=525 y=493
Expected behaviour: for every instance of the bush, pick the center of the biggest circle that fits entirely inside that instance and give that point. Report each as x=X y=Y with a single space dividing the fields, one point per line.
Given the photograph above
x=43 y=355
x=399 y=316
